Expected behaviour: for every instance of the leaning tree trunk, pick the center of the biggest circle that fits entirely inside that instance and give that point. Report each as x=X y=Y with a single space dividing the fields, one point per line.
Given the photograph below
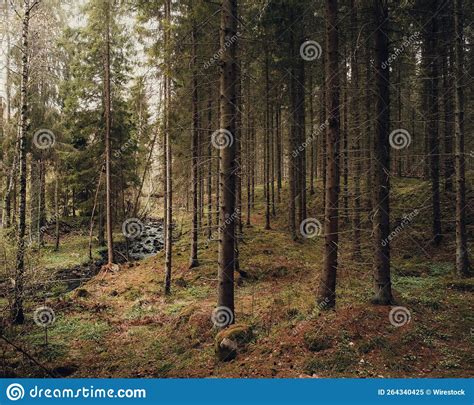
x=17 y=314
x=462 y=258
x=228 y=77
x=327 y=287
x=381 y=219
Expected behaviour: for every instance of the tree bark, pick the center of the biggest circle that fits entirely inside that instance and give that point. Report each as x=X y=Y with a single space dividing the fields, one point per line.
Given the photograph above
x=345 y=144
x=267 y=143
x=17 y=314
x=108 y=121
x=56 y=209
x=193 y=262
x=228 y=76
x=209 y=165
x=169 y=163
x=462 y=257
x=327 y=287
x=433 y=121
x=381 y=224
x=357 y=168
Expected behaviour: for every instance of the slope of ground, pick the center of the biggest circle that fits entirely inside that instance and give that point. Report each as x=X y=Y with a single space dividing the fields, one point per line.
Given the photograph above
x=121 y=325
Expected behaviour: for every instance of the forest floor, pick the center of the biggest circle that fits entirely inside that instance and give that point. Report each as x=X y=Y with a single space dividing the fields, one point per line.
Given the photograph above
x=120 y=324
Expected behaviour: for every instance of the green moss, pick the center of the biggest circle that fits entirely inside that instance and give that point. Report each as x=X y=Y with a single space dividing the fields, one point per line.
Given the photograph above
x=133 y=293
x=239 y=333
x=78 y=328
x=198 y=292
x=441 y=269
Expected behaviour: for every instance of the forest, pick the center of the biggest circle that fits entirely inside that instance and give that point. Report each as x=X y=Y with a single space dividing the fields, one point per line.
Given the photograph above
x=236 y=188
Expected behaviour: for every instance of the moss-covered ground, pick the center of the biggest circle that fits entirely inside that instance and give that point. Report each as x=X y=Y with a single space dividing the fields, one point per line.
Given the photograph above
x=119 y=324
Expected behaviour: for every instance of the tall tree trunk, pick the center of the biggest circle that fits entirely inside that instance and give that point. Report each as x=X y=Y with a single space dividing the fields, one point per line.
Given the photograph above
x=248 y=148
x=169 y=162
x=447 y=69
x=272 y=159
x=313 y=142
x=327 y=287
x=369 y=168
x=381 y=231
x=9 y=186
x=279 y=152
x=42 y=201
x=209 y=165
x=292 y=146
x=300 y=117
x=195 y=155
x=433 y=120
x=238 y=163
x=462 y=257
x=108 y=122
x=398 y=165
x=17 y=314
x=228 y=77
x=56 y=208
x=357 y=168
x=218 y=165
x=345 y=143
x=267 y=143
x=7 y=57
